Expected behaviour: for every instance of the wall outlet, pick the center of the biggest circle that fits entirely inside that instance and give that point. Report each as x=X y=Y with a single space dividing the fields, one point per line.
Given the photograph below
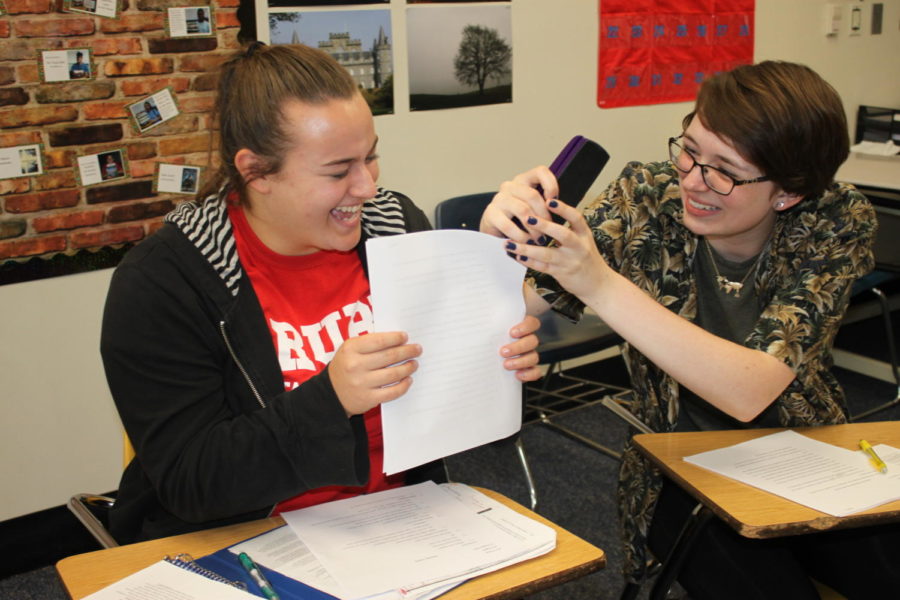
x=855 y=21
x=833 y=14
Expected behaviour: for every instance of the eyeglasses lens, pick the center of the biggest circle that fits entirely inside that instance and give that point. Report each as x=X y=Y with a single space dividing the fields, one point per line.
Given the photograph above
x=713 y=178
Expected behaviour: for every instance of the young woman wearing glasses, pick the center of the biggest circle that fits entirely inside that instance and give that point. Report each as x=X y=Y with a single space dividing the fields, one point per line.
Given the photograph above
x=727 y=269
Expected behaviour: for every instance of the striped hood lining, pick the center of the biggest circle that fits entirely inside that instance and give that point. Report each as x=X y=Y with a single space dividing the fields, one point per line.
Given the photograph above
x=208 y=228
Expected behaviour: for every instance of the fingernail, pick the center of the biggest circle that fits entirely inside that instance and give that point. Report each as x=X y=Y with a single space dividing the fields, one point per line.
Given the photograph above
x=532 y=221
x=523 y=258
x=510 y=245
x=554 y=204
x=543 y=240
x=530 y=242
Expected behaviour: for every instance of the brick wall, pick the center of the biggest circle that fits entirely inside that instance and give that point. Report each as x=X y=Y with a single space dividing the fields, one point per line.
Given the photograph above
x=50 y=215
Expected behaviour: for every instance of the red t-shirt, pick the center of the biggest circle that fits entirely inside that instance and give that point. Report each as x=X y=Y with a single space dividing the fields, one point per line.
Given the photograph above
x=312 y=303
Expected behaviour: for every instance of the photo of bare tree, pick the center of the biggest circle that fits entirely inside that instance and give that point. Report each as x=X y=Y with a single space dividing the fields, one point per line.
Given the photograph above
x=459 y=56
x=482 y=55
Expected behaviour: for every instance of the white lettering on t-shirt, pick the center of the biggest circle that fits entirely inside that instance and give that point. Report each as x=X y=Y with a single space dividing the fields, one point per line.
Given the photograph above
x=313 y=333
x=289 y=344
x=318 y=342
x=360 y=318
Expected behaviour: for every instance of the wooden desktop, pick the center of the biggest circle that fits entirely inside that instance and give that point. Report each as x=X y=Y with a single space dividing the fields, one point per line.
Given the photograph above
x=866 y=170
x=752 y=512
x=573 y=557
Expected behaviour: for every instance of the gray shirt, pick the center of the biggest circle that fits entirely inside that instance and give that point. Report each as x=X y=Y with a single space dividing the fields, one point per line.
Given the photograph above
x=730 y=317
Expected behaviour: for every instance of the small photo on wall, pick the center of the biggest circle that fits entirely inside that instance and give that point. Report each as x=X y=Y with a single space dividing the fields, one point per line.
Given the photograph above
x=21 y=161
x=65 y=65
x=153 y=110
x=100 y=8
x=102 y=167
x=177 y=179
x=189 y=21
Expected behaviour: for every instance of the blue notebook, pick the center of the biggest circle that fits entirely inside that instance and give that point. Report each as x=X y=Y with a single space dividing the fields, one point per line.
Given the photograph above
x=225 y=565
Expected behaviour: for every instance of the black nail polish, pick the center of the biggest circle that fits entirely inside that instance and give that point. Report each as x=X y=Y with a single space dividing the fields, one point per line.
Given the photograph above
x=543 y=240
x=554 y=204
x=532 y=221
x=530 y=242
x=523 y=258
x=510 y=245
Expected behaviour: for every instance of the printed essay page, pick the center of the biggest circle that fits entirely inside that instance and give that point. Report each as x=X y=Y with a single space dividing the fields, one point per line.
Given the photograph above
x=406 y=538
x=165 y=581
x=827 y=478
x=281 y=550
x=457 y=294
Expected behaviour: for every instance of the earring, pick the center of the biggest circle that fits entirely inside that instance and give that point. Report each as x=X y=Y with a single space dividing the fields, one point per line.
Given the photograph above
x=779 y=205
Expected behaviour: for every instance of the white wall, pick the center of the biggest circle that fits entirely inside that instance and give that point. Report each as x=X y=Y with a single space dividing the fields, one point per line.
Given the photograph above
x=59 y=433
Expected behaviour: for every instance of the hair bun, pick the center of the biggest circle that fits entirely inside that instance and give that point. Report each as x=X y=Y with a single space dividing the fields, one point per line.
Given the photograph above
x=253 y=47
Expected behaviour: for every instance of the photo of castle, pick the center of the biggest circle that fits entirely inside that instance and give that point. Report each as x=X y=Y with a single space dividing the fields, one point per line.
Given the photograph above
x=360 y=40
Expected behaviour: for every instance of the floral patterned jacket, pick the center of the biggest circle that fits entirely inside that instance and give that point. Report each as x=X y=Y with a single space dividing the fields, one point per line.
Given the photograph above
x=819 y=248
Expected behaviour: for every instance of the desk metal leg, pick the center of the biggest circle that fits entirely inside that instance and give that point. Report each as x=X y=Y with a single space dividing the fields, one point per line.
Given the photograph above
x=892 y=352
x=545 y=420
x=671 y=566
x=581 y=393
x=529 y=478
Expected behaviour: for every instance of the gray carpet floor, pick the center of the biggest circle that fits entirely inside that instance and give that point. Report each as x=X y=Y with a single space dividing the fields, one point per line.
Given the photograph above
x=575 y=484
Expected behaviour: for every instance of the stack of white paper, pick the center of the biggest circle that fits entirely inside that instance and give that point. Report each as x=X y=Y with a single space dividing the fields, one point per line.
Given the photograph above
x=410 y=542
x=888 y=148
x=828 y=478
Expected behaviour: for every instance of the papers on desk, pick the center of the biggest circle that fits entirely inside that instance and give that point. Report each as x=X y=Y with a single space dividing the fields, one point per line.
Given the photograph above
x=888 y=148
x=456 y=293
x=827 y=478
x=414 y=542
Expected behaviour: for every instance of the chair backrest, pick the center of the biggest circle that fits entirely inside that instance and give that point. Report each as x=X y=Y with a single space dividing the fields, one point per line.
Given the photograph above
x=885 y=247
x=461 y=212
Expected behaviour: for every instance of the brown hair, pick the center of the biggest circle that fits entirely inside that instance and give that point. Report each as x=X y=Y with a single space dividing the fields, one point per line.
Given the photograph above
x=253 y=86
x=782 y=117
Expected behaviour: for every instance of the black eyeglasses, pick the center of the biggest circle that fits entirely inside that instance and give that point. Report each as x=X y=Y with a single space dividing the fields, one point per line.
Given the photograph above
x=715 y=179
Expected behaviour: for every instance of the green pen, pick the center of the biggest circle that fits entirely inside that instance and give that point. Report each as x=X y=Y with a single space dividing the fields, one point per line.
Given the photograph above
x=257 y=576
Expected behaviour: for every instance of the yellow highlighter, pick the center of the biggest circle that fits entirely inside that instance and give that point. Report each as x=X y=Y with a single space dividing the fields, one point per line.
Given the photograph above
x=873 y=457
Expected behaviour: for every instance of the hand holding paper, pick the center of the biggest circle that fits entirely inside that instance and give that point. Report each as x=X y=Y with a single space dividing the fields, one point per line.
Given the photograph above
x=371 y=369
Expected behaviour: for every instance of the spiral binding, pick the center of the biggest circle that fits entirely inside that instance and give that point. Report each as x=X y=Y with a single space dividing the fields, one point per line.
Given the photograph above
x=186 y=561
